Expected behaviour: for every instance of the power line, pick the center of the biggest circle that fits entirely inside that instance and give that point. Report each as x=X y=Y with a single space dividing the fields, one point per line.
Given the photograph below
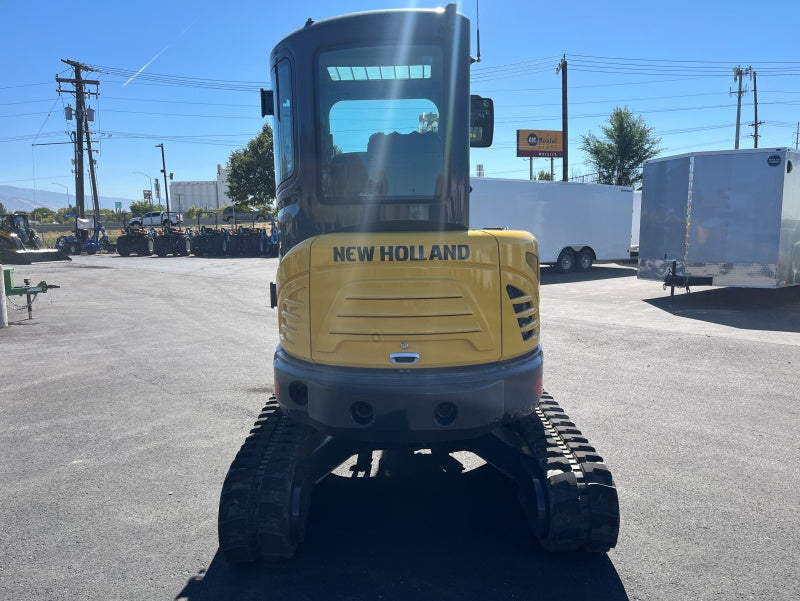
x=183 y=81
x=256 y=117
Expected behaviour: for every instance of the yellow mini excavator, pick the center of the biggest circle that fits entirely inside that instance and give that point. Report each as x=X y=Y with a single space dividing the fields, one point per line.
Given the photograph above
x=400 y=329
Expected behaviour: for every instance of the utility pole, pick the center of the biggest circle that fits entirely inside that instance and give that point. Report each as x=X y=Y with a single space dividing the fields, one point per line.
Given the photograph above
x=756 y=122
x=737 y=76
x=738 y=72
x=81 y=119
x=797 y=135
x=92 y=174
x=164 y=171
x=562 y=67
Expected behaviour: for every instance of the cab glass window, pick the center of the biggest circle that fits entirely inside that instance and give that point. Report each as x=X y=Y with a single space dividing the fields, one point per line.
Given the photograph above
x=379 y=114
x=284 y=128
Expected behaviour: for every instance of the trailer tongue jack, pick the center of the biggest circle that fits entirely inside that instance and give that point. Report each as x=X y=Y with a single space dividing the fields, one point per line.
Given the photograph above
x=30 y=292
x=676 y=280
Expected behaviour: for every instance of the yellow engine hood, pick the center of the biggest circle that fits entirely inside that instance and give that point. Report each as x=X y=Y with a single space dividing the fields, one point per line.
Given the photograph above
x=435 y=295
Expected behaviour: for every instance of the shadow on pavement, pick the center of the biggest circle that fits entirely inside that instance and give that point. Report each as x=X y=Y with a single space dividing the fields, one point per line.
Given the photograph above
x=598 y=272
x=775 y=310
x=427 y=537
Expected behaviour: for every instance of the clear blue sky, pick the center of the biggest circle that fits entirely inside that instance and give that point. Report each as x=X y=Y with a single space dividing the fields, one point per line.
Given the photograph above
x=670 y=62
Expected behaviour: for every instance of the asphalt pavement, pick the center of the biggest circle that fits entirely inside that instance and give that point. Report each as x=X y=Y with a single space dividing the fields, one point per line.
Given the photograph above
x=125 y=398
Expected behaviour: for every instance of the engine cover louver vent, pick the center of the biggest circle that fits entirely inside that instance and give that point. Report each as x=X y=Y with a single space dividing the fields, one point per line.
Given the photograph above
x=525 y=311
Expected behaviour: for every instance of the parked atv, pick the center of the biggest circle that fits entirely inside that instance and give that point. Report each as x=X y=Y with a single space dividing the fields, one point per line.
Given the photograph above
x=172 y=241
x=209 y=241
x=135 y=239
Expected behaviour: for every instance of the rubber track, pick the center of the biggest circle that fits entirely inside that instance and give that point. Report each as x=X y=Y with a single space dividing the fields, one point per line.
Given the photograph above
x=582 y=504
x=254 y=519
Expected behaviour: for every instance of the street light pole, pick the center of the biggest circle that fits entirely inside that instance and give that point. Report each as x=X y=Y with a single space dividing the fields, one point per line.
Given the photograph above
x=66 y=188
x=164 y=171
x=151 y=186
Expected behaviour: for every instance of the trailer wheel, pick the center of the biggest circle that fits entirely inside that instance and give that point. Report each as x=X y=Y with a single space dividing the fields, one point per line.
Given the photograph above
x=585 y=259
x=566 y=261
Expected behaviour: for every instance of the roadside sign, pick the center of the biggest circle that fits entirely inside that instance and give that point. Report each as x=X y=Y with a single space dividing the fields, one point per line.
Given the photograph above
x=540 y=143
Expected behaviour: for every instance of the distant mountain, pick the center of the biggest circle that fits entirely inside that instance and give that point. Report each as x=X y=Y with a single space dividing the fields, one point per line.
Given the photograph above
x=26 y=199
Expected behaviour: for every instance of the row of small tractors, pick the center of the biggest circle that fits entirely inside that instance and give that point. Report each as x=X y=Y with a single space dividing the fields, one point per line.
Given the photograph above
x=203 y=241
x=241 y=241
x=20 y=243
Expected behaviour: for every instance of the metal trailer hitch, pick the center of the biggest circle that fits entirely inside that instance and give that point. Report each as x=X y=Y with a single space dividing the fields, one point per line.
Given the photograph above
x=30 y=292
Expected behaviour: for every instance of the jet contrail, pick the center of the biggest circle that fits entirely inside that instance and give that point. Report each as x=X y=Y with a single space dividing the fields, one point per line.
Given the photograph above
x=148 y=63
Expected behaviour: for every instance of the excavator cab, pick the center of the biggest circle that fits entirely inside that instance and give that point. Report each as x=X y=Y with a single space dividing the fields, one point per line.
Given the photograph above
x=399 y=328
x=388 y=149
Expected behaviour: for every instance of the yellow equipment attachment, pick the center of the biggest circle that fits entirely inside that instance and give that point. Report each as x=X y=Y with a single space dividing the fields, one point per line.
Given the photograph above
x=20 y=244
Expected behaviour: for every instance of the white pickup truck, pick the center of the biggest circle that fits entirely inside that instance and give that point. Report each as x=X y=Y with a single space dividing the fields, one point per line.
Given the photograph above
x=157 y=218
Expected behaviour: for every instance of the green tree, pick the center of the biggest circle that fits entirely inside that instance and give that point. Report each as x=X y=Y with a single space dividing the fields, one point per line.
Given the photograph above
x=61 y=214
x=251 y=171
x=43 y=214
x=139 y=207
x=2 y=208
x=628 y=143
x=191 y=212
x=544 y=176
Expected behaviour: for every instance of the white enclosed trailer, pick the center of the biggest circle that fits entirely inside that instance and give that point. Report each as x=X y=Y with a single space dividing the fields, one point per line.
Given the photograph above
x=724 y=218
x=575 y=224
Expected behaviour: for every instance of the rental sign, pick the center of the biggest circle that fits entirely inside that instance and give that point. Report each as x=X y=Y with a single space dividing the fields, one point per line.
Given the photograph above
x=539 y=143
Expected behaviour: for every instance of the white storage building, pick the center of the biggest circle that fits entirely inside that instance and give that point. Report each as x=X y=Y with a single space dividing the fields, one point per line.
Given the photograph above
x=207 y=195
